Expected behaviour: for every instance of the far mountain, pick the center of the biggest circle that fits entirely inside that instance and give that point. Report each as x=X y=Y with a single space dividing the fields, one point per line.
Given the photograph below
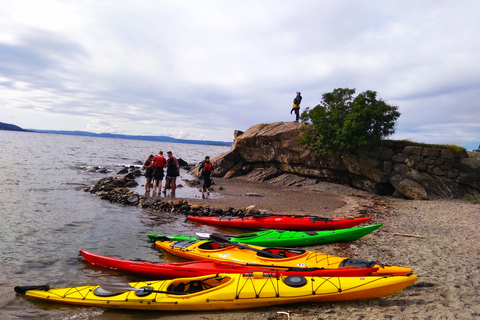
x=11 y=127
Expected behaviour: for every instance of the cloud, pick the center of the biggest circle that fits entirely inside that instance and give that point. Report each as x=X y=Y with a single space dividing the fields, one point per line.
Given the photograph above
x=206 y=69
x=98 y=126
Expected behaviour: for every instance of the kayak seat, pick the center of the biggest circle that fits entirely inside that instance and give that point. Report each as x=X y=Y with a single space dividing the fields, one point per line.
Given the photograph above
x=211 y=246
x=266 y=254
x=357 y=263
x=195 y=286
x=206 y=245
x=179 y=287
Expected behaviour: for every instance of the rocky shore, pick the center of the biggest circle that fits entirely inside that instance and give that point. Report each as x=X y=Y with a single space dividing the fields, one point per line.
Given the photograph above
x=439 y=239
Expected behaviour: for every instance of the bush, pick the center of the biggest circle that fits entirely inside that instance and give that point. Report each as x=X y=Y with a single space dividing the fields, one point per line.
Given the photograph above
x=342 y=123
x=472 y=198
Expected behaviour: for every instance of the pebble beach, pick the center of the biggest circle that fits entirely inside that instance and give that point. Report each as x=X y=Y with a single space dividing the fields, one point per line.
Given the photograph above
x=438 y=239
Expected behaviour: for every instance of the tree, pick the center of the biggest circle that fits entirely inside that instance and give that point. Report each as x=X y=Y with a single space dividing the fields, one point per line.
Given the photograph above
x=343 y=123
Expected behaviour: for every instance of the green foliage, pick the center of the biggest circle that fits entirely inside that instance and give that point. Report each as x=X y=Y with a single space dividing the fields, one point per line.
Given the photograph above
x=457 y=150
x=472 y=198
x=343 y=122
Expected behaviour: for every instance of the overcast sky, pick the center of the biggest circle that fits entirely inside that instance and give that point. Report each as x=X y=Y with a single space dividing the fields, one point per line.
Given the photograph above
x=201 y=69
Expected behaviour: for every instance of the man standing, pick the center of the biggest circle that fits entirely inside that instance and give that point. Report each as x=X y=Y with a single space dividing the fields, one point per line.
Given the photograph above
x=159 y=162
x=173 y=171
x=296 y=106
x=206 y=170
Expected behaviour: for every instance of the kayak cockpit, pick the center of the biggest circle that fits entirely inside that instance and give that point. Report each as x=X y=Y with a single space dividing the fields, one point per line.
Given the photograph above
x=194 y=286
x=282 y=253
x=213 y=246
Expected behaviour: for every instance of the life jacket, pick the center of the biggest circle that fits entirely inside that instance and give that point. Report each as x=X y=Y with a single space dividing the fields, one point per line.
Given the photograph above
x=159 y=161
x=208 y=166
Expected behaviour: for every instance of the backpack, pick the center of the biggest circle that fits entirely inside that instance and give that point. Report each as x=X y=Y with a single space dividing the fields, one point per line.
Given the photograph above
x=159 y=162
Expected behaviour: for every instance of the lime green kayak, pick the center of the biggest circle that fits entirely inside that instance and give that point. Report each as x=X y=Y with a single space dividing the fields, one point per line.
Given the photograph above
x=275 y=238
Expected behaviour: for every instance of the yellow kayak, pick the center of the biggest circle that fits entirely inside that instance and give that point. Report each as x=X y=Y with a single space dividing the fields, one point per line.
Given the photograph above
x=223 y=291
x=256 y=255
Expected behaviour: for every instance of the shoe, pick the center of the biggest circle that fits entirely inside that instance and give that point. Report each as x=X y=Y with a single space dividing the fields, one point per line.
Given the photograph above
x=164 y=192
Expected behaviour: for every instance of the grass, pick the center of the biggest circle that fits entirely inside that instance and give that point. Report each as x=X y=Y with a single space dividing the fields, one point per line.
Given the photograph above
x=472 y=198
x=454 y=148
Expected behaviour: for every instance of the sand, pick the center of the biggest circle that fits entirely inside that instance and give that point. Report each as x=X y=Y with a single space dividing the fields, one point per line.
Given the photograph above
x=438 y=239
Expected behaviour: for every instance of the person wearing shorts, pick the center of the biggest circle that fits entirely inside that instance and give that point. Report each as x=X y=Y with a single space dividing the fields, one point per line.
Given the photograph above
x=158 y=164
x=173 y=171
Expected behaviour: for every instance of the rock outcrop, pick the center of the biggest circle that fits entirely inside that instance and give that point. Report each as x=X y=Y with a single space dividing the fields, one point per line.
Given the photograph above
x=271 y=153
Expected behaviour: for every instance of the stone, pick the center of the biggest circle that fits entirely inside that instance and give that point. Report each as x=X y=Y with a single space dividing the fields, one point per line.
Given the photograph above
x=431 y=152
x=182 y=163
x=413 y=150
x=398 y=158
x=252 y=210
x=123 y=171
x=223 y=163
x=447 y=153
x=262 y=174
x=410 y=189
x=436 y=171
x=386 y=154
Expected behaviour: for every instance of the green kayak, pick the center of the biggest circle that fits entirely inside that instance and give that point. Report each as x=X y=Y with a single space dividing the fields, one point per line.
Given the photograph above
x=275 y=238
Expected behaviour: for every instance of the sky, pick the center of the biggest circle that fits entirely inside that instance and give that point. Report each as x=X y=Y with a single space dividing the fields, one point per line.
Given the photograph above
x=202 y=69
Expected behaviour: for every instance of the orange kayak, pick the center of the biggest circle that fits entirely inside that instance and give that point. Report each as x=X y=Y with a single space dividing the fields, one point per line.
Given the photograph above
x=288 y=257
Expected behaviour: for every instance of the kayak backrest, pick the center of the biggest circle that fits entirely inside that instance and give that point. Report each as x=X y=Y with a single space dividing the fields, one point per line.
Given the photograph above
x=357 y=263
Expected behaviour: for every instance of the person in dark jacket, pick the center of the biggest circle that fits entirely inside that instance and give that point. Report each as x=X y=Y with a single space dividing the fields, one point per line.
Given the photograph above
x=173 y=171
x=148 y=166
x=296 y=106
x=206 y=170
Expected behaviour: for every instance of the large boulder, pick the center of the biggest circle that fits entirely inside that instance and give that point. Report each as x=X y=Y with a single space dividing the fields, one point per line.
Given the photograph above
x=271 y=153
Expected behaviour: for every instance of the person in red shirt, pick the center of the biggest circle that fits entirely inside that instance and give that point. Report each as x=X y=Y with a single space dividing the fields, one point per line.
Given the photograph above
x=159 y=163
x=206 y=170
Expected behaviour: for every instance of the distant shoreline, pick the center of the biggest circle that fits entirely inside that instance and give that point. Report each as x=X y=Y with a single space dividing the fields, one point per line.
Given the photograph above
x=12 y=127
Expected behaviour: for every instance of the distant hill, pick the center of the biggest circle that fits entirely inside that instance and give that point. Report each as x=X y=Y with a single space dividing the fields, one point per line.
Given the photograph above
x=130 y=137
x=6 y=126
x=10 y=127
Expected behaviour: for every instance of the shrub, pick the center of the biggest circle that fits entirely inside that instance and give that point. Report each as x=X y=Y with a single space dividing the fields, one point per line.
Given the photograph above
x=343 y=123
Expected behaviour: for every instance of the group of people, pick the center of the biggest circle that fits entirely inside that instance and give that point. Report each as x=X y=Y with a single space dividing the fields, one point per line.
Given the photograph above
x=154 y=165
x=154 y=170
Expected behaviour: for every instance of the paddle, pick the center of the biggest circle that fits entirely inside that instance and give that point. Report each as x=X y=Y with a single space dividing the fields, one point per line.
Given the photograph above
x=217 y=237
x=123 y=287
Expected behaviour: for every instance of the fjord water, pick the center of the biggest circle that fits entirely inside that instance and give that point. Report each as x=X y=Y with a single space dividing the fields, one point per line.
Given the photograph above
x=45 y=217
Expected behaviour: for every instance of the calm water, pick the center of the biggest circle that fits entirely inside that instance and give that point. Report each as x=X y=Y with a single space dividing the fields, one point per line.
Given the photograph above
x=45 y=217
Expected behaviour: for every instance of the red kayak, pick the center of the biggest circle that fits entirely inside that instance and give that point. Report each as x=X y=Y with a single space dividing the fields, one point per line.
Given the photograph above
x=203 y=267
x=282 y=222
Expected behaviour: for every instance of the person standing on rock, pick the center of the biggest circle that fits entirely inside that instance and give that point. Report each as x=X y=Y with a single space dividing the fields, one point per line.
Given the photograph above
x=148 y=166
x=159 y=162
x=296 y=106
x=173 y=171
x=206 y=170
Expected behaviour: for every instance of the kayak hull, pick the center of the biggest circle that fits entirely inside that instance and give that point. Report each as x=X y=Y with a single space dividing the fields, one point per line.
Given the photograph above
x=227 y=291
x=208 y=250
x=281 y=222
x=282 y=238
x=205 y=267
